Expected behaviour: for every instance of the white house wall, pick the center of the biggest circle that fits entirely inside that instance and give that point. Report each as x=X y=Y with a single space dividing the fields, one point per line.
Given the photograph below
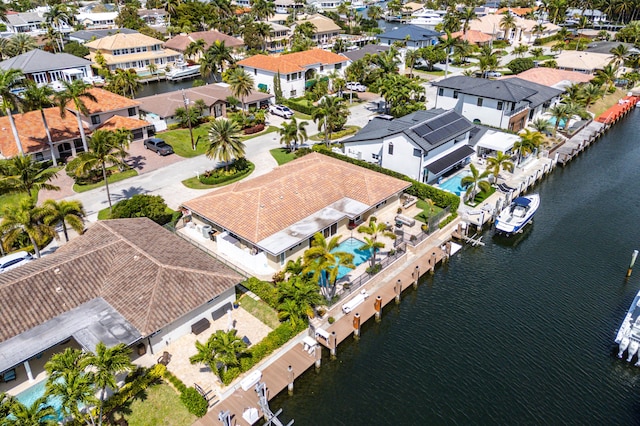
x=402 y=160
x=467 y=106
x=369 y=151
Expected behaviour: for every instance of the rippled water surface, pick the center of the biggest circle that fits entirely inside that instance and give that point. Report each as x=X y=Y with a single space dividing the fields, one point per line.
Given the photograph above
x=517 y=332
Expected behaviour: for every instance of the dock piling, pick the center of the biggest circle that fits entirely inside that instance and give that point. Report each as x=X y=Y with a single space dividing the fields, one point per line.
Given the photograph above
x=378 y=307
x=415 y=275
x=356 y=326
x=334 y=345
x=634 y=256
x=398 y=289
x=317 y=352
x=290 y=378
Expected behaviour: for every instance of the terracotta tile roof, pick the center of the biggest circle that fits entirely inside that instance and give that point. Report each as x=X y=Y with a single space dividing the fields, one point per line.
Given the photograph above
x=105 y=102
x=150 y=276
x=119 y=122
x=258 y=208
x=520 y=11
x=471 y=36
x=181 y=41
x=551 y=76
x=292 y=62
x=32 y=133
x=120 y=40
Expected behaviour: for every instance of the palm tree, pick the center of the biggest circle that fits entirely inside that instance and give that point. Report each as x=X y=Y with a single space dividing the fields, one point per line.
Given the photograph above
x=58 y=15
x=105 y=150
x=205 y=354
x=298 y=298
x=507 y=23
x=171 y=7
x=26 y=218
x=64 y=363
x=321 y=261
x=528 y=143
x=6 y=402
x=241 y=84
x=536 y=52
x=449 y=44
x=591 y=93
x=40 y=98
x=75 y=391
x=221 y=54
x=25 y=175
x=374 y=230
x=195 y=48
x=187 y=116
x=263 y=9
x=467 y=15
x=10 y=81
x=224 y=142
x=224 y=348
x=375 y=12
x=488 y=60
x=500 y=162
x=105 y=364
x=520 y=50
x=561 y=112
x=21 y=43
x=293 y=133
x=66 y=213
x=331 y=111
x=541 y=125
x=474 y=181
x=607 y=76
x=76 y=92
x=39 y=413
x=620 y=54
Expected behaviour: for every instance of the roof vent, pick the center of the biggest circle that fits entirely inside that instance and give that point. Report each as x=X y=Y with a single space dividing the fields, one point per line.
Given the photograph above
x=57 y=271
x=58 y=289
x=136 y=257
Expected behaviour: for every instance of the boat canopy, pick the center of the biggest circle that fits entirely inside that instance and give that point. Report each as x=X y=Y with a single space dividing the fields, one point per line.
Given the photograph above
x=522 y=201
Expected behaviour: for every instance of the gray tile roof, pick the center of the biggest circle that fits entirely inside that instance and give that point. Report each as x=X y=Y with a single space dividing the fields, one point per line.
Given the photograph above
x=38 y=60
x=606 y=46
x=415 y=33
x=427 y=129
x=88 y=35
x=24 y=18
x=371 y=49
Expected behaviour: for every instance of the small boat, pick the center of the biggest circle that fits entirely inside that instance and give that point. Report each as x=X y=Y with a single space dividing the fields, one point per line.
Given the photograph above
x=94 y=80
x=182 y=71
x=516 y=215
x=628 y=336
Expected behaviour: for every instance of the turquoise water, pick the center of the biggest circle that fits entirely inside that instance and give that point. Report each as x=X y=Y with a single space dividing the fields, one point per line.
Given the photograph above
x=552 y=121
x=352 y=245
x=30 y=395
x=453 y=184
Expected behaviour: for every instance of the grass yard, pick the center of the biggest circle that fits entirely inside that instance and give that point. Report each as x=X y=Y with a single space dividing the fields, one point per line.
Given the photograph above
x=181 y=141
x=104 y=213
x=115 y=177
x=260 y=310
x=301 y=116
x=607 y=102
x=161 y=407
x=347 y=131
x=10 y=200
x=437 y=73
x=194 y=182
x=427 y=211
x=282 y=155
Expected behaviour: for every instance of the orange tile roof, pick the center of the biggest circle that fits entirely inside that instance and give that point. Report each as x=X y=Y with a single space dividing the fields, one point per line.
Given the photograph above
x=105 y=102
x=520 y=11
x=32 y=133
x=292 y=62
x=472 y=36
x=258 y=208
x=551 y=76
x=119 y=122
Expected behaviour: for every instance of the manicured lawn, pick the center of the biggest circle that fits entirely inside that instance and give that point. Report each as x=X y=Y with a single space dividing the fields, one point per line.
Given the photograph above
x=181 y=141
x=348 y=131
x=10 y=200
x=282 y=155
x=427 y=211
x=301 y=116
x=607 y=102
x=268 y=130
x=260 y=310
x=542 y=58
x=104 y=213
x=115 y=177
x=161 y=407
x=439 y=73
x=481 y=196
x=194 y=182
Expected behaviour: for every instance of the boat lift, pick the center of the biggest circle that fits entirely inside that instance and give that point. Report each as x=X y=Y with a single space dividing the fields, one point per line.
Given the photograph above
x=263 y=402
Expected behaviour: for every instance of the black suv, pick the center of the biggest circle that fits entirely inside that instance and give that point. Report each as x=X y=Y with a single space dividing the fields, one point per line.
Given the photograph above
x=158 y=146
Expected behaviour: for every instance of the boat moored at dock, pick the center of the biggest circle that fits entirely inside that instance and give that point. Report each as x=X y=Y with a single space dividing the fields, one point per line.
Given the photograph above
x=517 y=214
x=628 y=337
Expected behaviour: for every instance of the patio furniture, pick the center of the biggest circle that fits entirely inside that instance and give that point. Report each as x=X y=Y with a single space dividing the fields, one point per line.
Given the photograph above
x=200 y=326
x=405 y=220
x=165 y=358
x=246 y=340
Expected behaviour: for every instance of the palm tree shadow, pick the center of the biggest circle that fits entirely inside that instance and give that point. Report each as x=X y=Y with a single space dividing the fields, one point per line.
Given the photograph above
x=136 y=162
x=128 y=193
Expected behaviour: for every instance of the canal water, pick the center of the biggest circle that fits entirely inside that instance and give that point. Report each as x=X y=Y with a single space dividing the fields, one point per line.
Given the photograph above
x=516 y=332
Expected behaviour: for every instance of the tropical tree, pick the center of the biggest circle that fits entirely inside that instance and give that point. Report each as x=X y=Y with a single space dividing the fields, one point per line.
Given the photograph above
x=298 y=298
x=26 y=218
x=105 y=364
x=220 y=54
x=536 y=52
x=10 y=81
x=241 y=84
x=21 y=43
x=591 y=93
x=475 y=181
x=466 y=15
x=76 y=93
x=75 y=391
x=508 y=24
x=65 y=213
x=195 y=48
x=607 y=76
x=529 y=142
x=6 y=402
x=105 y=150
x=63 y=363
x=501 y=161
x=57 y=16
x=124 y=82
x=330 y=115
x=322 y=262
x=374 y=230
x=448 y=43
x=292 y=133
x=38 y=98
x=463 y=50
x=620 y=54
x=39 y=413
x=22 y=174
x=224 y=141
x=561 y=112
x=223 y=348
x=187 y=116
x=375 y=12
x=263 y=9
x=520 y=50
x=487 y=60
x=541 y=125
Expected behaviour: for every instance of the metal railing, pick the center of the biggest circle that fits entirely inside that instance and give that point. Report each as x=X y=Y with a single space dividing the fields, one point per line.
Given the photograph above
x=432 y=226
x=510 y=113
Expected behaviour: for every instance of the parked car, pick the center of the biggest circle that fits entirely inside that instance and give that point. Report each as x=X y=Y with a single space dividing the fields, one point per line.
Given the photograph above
x=14 y=260
x=356 y=87
x=281 y=110
x=494 y=74
x=158 y=146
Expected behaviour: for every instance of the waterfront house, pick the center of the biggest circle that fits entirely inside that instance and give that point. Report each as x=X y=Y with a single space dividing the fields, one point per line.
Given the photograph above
x=45 y=67
x=161 y=109
x=180 y=42
x=124 y=281
x=507 y=104
x=553 y=77
x=370 y=49
x=473 y=37
x=264 y=222
x=132 y=51
x=523 y=33
x=582 y=61
x=410 y=36
x=325 y=30
x=97 y=20
x=297 y=70
x=279 y=37
x=85 y=36
x=31 y=23
x=422 y=145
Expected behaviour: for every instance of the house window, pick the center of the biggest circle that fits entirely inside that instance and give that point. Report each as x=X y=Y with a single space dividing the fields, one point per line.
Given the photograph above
x=294 y=93
x=375 y=156
x=499 y=106
x=417 y=152
x=95 y=119
x=390 y=148
x=455 y=94
x=321 y=67
x=255 y=71
x=479 y=102
x=132 y=112
x=39 y=157
x=288 y=77
x=440 y=91
x=338 y=66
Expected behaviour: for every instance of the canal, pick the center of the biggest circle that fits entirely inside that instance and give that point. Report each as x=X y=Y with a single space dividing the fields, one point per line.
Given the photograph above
x=516 y=332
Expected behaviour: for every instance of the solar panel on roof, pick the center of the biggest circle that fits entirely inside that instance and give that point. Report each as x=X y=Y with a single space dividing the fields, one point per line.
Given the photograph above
x=421 y=130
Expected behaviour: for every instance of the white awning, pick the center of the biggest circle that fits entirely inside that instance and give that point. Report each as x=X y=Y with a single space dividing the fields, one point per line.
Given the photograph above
x=497 y=141
x=72 y=71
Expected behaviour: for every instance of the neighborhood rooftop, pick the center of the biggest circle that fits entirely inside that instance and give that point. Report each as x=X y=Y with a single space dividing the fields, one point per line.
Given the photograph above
x=38 y=60
x=292 y=62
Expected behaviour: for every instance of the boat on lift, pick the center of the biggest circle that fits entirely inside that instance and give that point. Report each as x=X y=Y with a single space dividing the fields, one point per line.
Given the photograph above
x=182 y=71
x=517 y=214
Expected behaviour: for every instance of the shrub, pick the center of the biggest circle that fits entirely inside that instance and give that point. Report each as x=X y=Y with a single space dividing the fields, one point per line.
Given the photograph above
x=175 y=382
x=331 y=320
x=302 y=106
x=264 y=290
x=174 y=126
x=278 y=277
x=240 y=167
x=253 y=129
x=143 y=205
x=195 y=403
x=372 y=270
x=302 y=152
x=544 y=40
x=519 y=65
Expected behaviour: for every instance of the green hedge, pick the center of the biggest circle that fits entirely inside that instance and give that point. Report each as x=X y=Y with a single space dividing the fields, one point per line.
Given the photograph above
x=544 y=40
x=264 y=290
x=177 y=383
x=240 y=168
x=421 y=190
x=300 y=106
x=195 y=403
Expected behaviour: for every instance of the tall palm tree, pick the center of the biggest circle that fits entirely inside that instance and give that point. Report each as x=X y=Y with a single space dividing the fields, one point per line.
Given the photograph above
x=75 y=92
x=25 y=175
x=39 y=413
x=591 y=93
x=21 y=43
x=330 y=111
x=241 y=84
x=501 y=161
x=375 y=12
x=57 y=16
x=561 y=112
x=488 y=60
x=104 y=151
x=607 y=76
x=10 y=81
x=293 y=133
x=475 y=181
x=41 y=97
x=323 y=262
x=221 y=54
x=224 y=141
x=26 y=218
x=263 y=9
x=74 y=392
x=105 y=364
x=449 y=44
x=67 y=362
x=195 y=48
x=620 y=54
x=374 y=230
x=529 y=142
x=508 y=24
x=171 y=7
x=124 y=82
x=467 y=15
x=66 y=213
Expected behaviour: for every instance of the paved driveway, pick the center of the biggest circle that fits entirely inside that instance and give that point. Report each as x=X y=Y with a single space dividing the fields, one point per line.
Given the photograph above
x=145 y=161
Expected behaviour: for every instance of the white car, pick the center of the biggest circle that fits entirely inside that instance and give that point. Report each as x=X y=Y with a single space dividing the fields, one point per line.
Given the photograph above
x=14 y=260
x=494 y=74
x=356 y=87
x=281 y=110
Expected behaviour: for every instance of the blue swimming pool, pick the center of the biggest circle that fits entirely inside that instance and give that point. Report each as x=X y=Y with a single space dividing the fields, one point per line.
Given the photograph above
x=352 y=245
x=453 y=184
x=552 y=121
x=30 y=395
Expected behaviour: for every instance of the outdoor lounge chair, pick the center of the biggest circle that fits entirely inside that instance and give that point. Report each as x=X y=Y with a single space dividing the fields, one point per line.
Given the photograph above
x=165 y=358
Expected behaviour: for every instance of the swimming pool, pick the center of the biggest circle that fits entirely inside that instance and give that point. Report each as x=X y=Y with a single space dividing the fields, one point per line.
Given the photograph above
x=454 y=183
x=30 y=395
x=552 y=121
x=352 y=245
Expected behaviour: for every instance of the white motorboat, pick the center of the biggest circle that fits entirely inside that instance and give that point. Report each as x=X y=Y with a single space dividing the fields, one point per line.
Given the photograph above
x=183 y=71
x=427 y=18
x=628 y=336
x=517 y=214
